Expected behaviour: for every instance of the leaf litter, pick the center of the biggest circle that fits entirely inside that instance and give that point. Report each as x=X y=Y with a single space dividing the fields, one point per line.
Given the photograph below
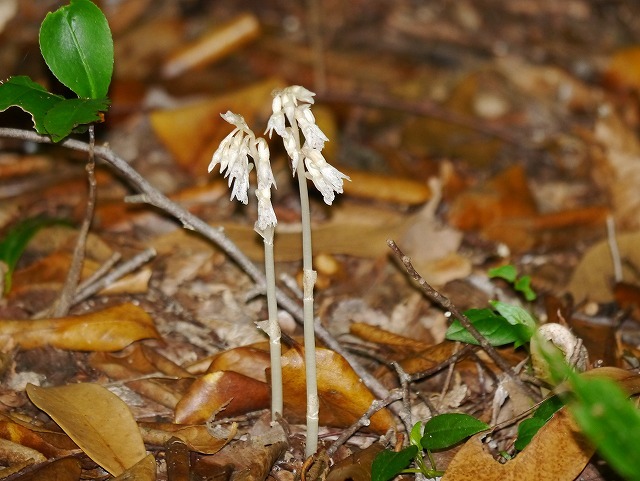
x=528 y=127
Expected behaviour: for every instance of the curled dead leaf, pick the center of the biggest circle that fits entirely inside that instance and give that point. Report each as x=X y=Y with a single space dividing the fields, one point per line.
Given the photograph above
x=221 y=390
x=111 y=329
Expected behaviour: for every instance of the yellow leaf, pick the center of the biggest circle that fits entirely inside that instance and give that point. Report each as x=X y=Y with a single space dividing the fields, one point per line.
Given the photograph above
x=97 y=420
x=143 y=470
x=111 y=329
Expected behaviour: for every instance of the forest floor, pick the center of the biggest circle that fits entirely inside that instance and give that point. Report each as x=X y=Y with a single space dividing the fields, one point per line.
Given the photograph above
x=476 y=134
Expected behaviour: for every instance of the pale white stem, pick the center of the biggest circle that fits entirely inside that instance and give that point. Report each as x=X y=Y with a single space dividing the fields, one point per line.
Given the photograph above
x=309 y=278
x=613 y=248
x=273 y=327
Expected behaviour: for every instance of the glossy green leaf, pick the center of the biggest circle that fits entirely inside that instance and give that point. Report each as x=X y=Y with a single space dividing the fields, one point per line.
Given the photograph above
x=16 y=240
x=68 y=114
x=388 y=464
x=529 y=427
x=495 y=328
x=76 y=43
x=516 y=315
x=445 y=430
x=416 y=434
x=610 y=420
x=508 y=273
x=523 y=285
x=31 y=97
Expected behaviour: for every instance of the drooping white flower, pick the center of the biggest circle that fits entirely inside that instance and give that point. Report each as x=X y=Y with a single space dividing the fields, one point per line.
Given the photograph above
x=266 y=214
x=284 y=105
x=326 y=178
x=232 y=155
x=307 y=122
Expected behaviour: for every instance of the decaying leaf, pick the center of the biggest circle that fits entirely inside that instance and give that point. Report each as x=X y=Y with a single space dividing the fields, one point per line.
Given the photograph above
x=356 y=467
x=111 y=329
x=50 y=444
x=343 y=396
x=63 y=469
x=143 y=470
x=226 y=391
x=558 y=452
x=98 y=421
x=197 y=437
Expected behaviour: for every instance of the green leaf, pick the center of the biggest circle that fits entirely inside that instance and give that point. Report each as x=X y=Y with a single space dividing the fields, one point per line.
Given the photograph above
x=508 y=273
x=610 y=420
x=516 y=315
x=15 y=242
x=76 y=43
x=529 y=427
x=389 y=464
x=523 y=285
x=445 y=430
x=70 y=113
x=495 y=328
x=416 y=434
x=31 y=97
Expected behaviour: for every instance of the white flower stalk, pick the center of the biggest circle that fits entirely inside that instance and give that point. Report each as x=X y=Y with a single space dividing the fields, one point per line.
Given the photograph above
x=233 y=156
x=292 y=105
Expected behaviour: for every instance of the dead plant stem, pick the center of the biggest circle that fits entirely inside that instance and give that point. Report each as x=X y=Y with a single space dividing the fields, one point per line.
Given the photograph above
x=65 y=300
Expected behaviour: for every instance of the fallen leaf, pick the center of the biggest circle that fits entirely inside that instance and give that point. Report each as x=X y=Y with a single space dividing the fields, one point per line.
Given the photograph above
x=14 y=453
x=108 y=330
x=219 y=391
x=385 y=188
x=143 y=470
x=97 y=420
x=343 y=396
x=197 y=437
x=558 y=452
x=396 y=342
x=64 y=469
x=623 y=71
x=20 y=434
x=593 y=277
x=192 y=133
x=356 y=467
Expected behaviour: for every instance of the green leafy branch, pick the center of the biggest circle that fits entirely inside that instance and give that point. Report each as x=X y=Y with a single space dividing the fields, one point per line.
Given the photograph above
x=77 y=46
x=439 y=432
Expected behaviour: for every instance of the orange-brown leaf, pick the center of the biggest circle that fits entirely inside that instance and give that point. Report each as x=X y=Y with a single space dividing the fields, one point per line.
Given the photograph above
x=111 y=329
x=343 y=396
x=221 y=390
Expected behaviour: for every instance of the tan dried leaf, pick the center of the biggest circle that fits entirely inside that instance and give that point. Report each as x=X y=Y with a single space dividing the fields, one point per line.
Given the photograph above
x=97 y=420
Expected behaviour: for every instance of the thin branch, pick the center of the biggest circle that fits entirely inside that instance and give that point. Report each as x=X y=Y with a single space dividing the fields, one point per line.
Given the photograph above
x=365 y=419
x=446 y=304
x=65 y=300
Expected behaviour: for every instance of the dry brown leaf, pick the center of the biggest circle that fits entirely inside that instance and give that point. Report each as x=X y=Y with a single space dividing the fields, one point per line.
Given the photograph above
x=111 y=329
x=136 y=364
x=558 y=452
x=593 y=277
x=252 y=459
x=623 y=71
x=385 y=188
x=143 y=470
x=192 y=133
x=20 y=434
x=356 y=467
x=343 y=396
x=97 y=420
x=12 y=453
x=396 y=342
x=225 y=391
x=64 y=469
x=618 y=169
x=197 y=437
x=251 y=361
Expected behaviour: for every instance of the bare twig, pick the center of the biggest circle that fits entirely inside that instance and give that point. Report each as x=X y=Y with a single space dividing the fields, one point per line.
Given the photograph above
x=445 y=303
x=365 y=419
x=65 y=300
x=214 y=234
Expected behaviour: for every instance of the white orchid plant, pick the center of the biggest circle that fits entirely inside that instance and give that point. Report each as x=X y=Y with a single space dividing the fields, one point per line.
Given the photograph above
x=293 y=121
